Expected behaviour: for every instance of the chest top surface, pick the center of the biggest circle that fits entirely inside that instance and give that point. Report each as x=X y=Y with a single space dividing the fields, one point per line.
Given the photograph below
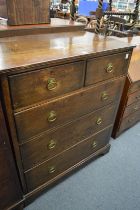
x=25 y=51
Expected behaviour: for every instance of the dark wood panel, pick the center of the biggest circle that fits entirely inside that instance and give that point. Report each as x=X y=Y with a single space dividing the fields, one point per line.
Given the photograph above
x=33 y=87
x=10 y=191
x=69 y=158
x=50 y=144
x=106 y=67
x=22 y=12
x=38 y=119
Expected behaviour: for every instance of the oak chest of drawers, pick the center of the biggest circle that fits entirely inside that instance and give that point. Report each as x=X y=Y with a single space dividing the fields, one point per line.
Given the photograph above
x=129 y=109
x=61 y=94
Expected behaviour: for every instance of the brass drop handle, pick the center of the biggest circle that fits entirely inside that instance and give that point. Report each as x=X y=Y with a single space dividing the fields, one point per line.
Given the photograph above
x=51 y=169
x=52 y=84
x=51 y=116
x=104 y=96
x=99 y=121
x=109 y=68
x=51 y=144
x=94 y=144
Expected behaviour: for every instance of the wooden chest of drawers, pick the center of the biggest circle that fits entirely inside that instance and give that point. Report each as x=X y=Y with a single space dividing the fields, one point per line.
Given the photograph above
x=61 y=93
x=129 y=109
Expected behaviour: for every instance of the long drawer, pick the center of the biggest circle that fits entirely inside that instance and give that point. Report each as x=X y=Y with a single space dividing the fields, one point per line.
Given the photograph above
x=131 y=108
x=57 y=165
x=106 y=67
x=33 y=87
x=52 y=143
x=133 y=97
x=129 y=121
x=62 y=110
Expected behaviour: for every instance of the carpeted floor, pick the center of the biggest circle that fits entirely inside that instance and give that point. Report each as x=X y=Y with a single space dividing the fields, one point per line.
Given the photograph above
x=111 y=182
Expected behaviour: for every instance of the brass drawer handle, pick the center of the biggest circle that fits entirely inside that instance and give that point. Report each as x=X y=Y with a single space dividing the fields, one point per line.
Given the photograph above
x=99 y=121
x=94 y=144
x=109 y=68
x=104 y=96
x=51 y=169
x=52 y=116
x=52 y=84
x=51 y=144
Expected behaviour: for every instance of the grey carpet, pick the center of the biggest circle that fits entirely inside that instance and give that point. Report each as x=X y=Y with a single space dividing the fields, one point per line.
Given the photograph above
x=112 y=182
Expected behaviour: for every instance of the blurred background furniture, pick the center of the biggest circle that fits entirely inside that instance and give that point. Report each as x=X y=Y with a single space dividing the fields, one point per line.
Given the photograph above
x=129 y=109
x=20 y=12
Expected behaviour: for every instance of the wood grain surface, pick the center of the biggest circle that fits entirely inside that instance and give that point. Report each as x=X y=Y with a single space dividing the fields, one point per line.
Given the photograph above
x=36 y=51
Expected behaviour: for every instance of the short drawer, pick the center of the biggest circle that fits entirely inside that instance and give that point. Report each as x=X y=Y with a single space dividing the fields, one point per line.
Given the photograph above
x=52 y=143
x=129 y=121
x=58 y=165
x=34 y=87
x=132 y=108
x=106 y=67
x=133 y=97
x=60 y=111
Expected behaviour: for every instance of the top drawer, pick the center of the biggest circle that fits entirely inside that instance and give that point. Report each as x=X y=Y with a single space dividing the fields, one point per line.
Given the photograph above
x=106 y=67
x=33 y=87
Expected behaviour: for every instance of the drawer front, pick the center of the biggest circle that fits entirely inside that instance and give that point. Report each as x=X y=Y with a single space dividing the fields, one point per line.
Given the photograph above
x=105 y=68
x=36 y=120
x=129 y=121
x=132 y=108
x=57 y=165
x=33 y=87
x=54 y=142
x=133 y=98
x=135 y=87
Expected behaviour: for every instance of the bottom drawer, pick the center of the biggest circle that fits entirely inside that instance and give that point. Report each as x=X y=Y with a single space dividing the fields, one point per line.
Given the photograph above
x=59 y=164
x=129 y=121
